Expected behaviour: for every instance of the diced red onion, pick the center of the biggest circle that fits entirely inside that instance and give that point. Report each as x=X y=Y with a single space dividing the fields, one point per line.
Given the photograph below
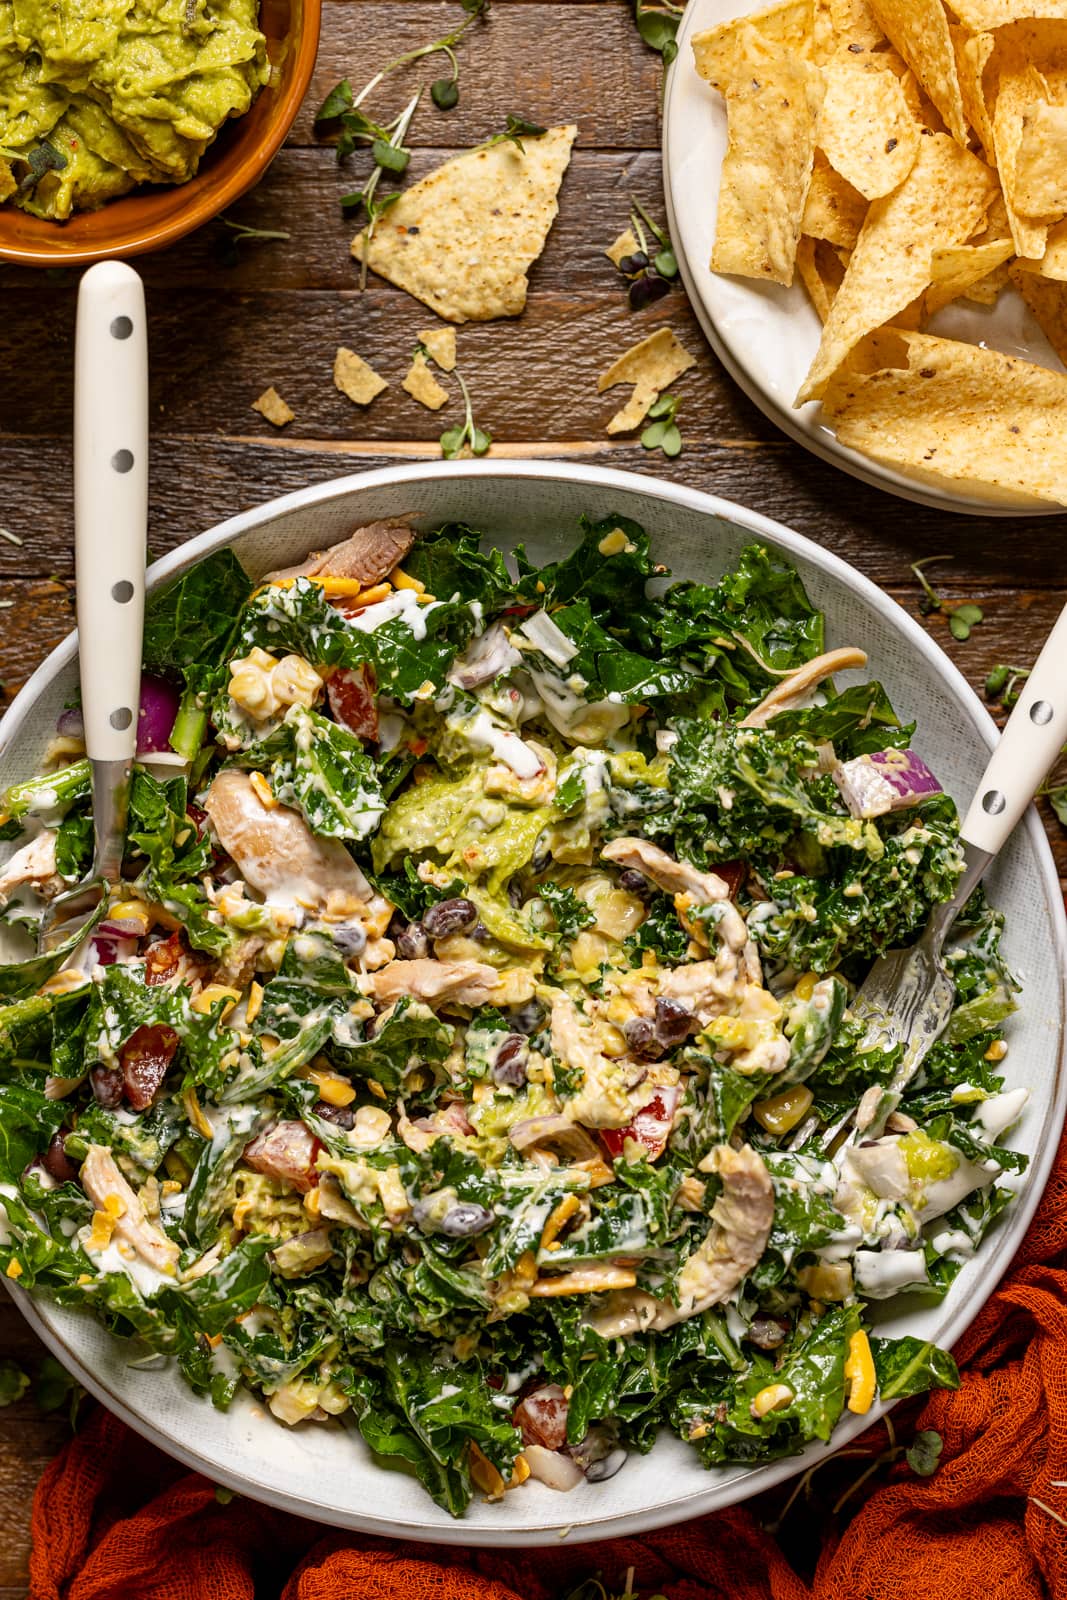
x=105 y=950
x=70 y=724
x=122 y=928
x=885 y=780
x=155 y=720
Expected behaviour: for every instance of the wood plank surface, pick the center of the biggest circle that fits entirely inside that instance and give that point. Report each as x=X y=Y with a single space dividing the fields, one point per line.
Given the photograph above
x=220 y=333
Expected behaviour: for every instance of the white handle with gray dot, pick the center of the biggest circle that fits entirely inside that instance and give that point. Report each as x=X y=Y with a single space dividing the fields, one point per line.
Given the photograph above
x=1033 y=737
x=110 y=503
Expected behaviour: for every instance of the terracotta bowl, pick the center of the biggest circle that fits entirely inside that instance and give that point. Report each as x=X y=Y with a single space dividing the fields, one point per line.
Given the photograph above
x=150 y=217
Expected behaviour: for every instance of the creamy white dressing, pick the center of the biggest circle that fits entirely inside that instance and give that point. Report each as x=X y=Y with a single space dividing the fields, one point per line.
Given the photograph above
x=882 y=1273
x=403 y=604
x=144 y=1277
x=998 y=1113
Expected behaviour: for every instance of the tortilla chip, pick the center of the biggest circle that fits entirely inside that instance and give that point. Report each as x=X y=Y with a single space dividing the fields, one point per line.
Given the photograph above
x=355 y=378
x=941 y=202
x=624 y=246
x=855 y=24
x=1047 y=300
x=834 y=210
x=821 y=273
x=463 y=239
x=980 y=16
x=440 y=346
x=972 y=58
x=1019 y=87
x=936 y=409
x=771 y=112
x=271 y=405
x=1053 y=264
x=651 y=367
x=957 y=268
x=422 y=386
x=919 y=31
x=866 y=130
x=1041 y=162
x=720 y=53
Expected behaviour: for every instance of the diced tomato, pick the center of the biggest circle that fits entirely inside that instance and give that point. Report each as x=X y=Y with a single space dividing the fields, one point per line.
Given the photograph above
x=351 y=693
x=161 y=959
x=732 y=873
x=651 y=1125
x=286 y=1151
x=145 y=1057
x=542 y=1416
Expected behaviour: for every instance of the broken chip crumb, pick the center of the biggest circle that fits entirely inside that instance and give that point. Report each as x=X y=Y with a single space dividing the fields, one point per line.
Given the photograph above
x=422 y=386
x=440 y=346
x=625 y=245
x=355 y=378
x=650 y=366
x=271 y=405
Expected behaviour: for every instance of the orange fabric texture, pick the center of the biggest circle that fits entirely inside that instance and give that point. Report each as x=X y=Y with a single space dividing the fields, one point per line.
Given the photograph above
x=113 y=1519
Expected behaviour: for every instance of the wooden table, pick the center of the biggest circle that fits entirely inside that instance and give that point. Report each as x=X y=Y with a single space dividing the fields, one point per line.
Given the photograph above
x=220 y=334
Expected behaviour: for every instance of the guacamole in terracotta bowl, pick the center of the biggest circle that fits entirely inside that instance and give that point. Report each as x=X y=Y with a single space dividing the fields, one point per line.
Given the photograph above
x=93 y=104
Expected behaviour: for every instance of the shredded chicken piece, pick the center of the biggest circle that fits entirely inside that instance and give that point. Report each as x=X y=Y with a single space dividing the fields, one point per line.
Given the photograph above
x=740 y=1226
x=707 y=988
x=468 y=983
x=368 y=554
x=602 y=1101
x=275 y=850
x=678 y=877
x=785 y=695
x=33 y=864
x=102 y=1181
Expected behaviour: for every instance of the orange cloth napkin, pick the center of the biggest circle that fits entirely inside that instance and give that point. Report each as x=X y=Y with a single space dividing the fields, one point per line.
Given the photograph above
x=114 y=1519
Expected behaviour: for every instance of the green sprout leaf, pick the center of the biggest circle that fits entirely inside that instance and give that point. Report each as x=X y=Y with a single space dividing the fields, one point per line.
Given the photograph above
x=923 y=1455
x=13 y=1383
x=445 y=93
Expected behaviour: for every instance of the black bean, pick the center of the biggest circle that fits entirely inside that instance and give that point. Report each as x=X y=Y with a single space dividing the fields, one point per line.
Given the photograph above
x=527 y=1019
x=340 y=1116
x=600 y=1471
x=674 y=1022
x=641 y=1037
x=107 y=1085
x=542 y=855
x=57 y=1162
x=450 y=916
x=509 y=1065
x=350 y=938
x=480 y=933
x=634 y=882
x=411 y=942
x=465 y=1218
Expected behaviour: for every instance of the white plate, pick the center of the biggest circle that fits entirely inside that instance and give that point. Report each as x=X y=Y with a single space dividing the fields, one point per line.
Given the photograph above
x=326 y=1472
x=766 y=335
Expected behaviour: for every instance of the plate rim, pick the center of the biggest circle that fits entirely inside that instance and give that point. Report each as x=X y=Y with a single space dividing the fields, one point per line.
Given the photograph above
x=717 y=1494
x=682 y=78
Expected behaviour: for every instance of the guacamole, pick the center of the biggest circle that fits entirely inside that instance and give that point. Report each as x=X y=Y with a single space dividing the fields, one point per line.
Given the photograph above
x=98 y=97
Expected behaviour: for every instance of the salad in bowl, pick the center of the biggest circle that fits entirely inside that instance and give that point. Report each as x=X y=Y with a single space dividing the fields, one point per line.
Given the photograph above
x=466 y=1053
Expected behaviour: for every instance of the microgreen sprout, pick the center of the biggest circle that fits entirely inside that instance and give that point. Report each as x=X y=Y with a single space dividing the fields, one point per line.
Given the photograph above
x=342 y=105
x=594 y=1589
x=649 y=270
x=961 y=619
x=658 y=26
x=240 y=233
x=476 y=439
x=389 y=155
x=662 y=433
x=516 y=129
x=923 y=1456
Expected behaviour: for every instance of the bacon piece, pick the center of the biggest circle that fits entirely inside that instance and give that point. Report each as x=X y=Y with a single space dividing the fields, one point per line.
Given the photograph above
x=286 y=1151
x=542 y=1416
x=145 y=1057
x=162 y=958
x=351 y=693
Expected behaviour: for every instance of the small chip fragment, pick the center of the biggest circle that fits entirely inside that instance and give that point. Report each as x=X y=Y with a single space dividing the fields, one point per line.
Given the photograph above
x=440 y=346
x=422 y=386
x=355 y=378
x=271 y=405
x=651 y=366
x=834 y=210
x=625 y=245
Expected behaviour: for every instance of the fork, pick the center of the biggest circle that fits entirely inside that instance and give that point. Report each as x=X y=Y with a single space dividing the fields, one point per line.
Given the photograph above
x=908 y=995
x=110 y=528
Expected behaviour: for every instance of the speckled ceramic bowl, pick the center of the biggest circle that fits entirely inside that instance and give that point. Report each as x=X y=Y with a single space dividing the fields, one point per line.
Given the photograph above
x=326 y=1471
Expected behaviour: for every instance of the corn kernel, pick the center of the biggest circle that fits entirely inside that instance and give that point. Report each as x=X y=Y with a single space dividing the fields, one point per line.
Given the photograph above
x=613 y=543
x=997 y=1050
x=101 y=1230
x=131 y=911
x=860 y=1374
x=775 y=1397
x=400 y=580
x=831 y=1280
x=115 y=1206
x=485 y=1475
x=83 y=1278
x=334 y=1090
x=255 y=1001
x=169 y=1186
x=784 y=1110
x=14 y=1269
x=195 y=1114
x=371 y=597
x=262 y=790
x=805 y=986
x=210 y=994
x=313 y=1203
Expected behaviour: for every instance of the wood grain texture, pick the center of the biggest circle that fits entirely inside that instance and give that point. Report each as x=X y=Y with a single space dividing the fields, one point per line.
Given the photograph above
x=220 y=334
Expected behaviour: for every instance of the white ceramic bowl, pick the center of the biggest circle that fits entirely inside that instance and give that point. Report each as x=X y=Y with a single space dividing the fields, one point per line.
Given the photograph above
x=326 y=1472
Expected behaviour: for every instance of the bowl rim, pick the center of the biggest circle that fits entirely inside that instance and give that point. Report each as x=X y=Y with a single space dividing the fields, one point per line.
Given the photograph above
x=718 y=1494
x=139 y=239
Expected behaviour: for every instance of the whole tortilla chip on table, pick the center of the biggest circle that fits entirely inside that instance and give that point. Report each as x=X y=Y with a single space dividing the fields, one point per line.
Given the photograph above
x=772 y=106
x=941 y=202
x=955 y=414
x=918 y=29
x=463 y=238
x=866 y=129
x=651 y=366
